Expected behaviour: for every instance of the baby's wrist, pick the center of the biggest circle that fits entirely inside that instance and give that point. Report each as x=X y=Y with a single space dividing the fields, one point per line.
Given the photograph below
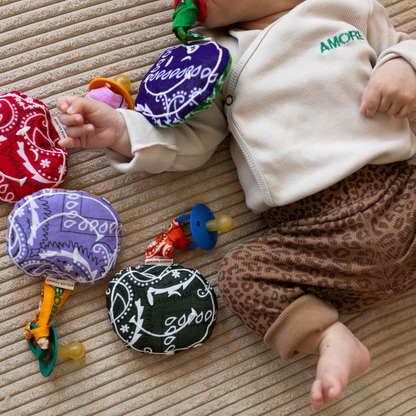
x=121 y=142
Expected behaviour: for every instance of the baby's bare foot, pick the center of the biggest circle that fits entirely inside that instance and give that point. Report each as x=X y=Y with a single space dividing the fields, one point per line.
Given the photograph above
x=342 y=358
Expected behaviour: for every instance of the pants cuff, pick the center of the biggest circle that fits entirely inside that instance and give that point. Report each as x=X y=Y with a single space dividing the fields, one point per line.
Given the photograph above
x=303 y=317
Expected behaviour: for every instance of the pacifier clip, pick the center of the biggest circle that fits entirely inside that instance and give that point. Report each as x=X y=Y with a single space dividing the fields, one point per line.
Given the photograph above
x=51 y=299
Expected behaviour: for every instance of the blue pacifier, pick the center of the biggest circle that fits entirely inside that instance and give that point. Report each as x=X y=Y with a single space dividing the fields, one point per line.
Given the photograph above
x=204 y=226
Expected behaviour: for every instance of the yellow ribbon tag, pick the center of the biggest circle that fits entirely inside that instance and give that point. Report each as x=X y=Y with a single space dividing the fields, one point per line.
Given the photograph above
x=51 y=300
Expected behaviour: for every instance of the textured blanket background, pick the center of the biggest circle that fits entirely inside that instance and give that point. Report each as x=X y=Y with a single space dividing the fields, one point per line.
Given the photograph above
x=50 y=48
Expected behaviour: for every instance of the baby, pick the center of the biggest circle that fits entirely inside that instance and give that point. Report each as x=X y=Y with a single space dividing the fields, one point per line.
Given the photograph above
x=316 y=104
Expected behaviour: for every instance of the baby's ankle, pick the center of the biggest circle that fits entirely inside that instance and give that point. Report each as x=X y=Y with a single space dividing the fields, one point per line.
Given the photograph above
x=336 y=331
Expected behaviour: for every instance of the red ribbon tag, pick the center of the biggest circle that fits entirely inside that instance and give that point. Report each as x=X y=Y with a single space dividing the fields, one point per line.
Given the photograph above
x=162 y=247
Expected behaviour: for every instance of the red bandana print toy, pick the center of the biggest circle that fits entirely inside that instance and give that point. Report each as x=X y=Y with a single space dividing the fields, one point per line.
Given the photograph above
x=30 y=158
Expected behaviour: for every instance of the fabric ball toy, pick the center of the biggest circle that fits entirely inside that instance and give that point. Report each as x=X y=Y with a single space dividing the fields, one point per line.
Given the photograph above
x=67 y=235
x=30 y=157
x=184 y=81
x=162 y=309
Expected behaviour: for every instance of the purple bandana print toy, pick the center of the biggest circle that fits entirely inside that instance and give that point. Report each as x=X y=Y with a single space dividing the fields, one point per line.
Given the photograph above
x=68 y=235
x=184 y=81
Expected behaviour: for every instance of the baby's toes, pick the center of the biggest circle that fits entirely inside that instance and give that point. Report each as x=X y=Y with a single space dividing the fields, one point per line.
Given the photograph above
x=317 y=396
x=332 y=387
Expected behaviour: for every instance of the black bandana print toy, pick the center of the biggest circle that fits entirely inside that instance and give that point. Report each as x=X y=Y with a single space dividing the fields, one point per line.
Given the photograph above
x=165 y=308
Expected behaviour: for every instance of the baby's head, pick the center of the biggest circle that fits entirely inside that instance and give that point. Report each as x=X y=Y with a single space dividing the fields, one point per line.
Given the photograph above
x=246 y=14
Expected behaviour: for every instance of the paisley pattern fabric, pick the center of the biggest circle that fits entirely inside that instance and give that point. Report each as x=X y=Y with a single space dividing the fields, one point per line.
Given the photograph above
x=352 y=245
x=30 y=158
x=158 y=309
x=68 y=235
x=161 y=309
x=184 y=81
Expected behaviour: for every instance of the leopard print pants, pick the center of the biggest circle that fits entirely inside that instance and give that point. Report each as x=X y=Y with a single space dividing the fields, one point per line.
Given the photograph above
x=347 y=249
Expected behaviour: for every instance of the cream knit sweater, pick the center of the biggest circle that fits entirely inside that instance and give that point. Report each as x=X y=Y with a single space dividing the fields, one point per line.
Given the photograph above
x=291 y=105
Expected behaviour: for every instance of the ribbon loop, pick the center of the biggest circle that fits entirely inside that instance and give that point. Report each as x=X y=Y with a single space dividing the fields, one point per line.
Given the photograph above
x=51 y=299
x=162 y=246
x=186 y=14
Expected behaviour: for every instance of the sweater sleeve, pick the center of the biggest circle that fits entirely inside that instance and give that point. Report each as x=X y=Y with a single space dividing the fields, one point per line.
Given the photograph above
x=183 y=147
x=386 y=42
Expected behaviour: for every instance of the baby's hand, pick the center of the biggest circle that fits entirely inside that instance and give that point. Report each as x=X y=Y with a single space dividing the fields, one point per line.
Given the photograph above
x=92 y=124
x=391 y=88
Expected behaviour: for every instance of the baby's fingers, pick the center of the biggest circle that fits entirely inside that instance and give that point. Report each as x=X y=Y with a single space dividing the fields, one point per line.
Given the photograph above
x=70 y=142
x=71 y=120
x=77 y=136
x=64 y=103
x=370 y=101
x=404 y=112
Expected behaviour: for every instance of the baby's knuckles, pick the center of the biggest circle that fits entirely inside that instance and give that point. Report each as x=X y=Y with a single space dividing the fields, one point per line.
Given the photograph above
x=371 y=106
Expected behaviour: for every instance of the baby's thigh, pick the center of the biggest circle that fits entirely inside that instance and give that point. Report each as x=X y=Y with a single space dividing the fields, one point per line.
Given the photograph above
x=255 y=285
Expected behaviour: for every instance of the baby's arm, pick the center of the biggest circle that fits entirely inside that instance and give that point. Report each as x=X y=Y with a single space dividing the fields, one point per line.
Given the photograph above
x=93 y=124
x=392 y=85
x=178 y=148
x=132 y=144
x=391 y=88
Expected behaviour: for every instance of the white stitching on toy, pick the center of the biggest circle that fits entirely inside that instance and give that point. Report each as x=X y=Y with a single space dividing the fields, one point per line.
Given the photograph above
x=76 y=255
x=22 y=131
x=21 y=181
x=192 y=316
x=35 y=228
x=36 y=153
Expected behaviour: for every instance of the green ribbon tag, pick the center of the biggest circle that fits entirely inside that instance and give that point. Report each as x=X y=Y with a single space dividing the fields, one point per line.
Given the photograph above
x=183 y=18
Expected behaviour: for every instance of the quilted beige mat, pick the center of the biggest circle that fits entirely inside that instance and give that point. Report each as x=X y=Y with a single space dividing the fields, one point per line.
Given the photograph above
x=49 y=48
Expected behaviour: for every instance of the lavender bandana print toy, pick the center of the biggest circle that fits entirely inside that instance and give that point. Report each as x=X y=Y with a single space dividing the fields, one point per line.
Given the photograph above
x=67 y=235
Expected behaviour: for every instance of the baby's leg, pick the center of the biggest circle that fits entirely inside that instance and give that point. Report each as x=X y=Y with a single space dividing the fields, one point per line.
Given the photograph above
x=288 y=319
x=348 y=249
x=342 y=358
